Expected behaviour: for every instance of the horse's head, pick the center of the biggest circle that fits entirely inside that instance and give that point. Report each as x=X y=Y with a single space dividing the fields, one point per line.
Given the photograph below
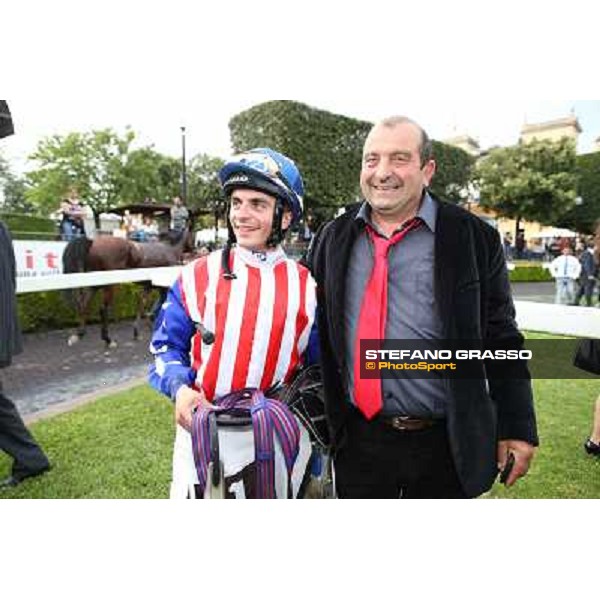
x=182 y=242
x=189 y=243
x=178 y=237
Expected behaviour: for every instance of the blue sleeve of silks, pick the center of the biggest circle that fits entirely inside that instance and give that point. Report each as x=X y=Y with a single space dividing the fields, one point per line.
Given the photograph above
x=313 y=349
x=170 y=346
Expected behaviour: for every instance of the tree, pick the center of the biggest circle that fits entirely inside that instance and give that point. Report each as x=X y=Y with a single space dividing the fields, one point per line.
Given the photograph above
x=149 y=174
x=92 y=162
x=15 y=196
x=204 y=190
x=536 y=181
x=453 y=172
x=13 y=189
x=203 y=181
x=4 y=169
x=586 y=212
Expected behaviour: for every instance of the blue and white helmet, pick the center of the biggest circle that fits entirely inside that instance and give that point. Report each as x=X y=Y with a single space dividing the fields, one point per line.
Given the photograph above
x=268 y=171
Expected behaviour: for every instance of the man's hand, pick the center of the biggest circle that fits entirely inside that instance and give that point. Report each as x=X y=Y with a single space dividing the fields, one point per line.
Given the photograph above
x=523 y=453
x=185 y=401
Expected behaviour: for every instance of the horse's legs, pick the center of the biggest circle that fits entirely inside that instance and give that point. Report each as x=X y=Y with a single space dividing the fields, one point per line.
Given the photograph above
x=143 y=295
x=107 y=299
x=75 y=337
x=81 y=299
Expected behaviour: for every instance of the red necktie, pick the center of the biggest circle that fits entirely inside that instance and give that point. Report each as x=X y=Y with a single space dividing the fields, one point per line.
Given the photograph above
x=372 y=319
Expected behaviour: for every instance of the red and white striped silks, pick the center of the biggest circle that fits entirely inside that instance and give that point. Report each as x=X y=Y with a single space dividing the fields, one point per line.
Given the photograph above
x=261 y=320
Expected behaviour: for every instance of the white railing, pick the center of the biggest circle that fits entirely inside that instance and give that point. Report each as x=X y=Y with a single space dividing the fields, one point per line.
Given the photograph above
x=533 y=316
x=164 y=275
x=579 y=321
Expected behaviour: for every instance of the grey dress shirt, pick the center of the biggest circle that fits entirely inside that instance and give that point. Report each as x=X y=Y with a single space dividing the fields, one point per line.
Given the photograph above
x=412 y=310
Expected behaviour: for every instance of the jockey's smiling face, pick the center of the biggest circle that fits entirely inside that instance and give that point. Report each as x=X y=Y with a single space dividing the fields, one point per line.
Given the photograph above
x=251 y=216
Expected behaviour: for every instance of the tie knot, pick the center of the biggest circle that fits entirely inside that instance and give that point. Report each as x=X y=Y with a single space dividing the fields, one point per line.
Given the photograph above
x=382 y=245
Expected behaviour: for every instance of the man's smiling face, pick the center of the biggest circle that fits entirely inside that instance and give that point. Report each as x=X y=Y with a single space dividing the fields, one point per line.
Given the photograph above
x=392 y=178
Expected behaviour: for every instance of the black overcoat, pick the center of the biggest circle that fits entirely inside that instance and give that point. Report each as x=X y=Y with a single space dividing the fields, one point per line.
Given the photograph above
x=10 y=334
x=474 y=299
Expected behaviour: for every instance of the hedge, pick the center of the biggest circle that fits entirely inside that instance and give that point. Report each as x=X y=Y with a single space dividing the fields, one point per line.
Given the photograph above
x=530 y=274
x=26 y=227
x=44 y=311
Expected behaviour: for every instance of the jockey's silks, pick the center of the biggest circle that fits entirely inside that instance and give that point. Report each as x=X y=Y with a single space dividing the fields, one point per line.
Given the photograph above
x=261 y=321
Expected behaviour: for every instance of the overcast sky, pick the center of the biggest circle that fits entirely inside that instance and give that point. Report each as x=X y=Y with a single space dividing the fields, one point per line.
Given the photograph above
x=456 y=67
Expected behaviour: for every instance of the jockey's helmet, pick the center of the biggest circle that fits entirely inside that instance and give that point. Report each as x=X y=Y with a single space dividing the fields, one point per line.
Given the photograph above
x=270 y=172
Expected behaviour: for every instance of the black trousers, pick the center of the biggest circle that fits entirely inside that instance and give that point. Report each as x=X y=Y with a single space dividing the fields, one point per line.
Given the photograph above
x=586 y=288
x=381 y=462
x=17 y=442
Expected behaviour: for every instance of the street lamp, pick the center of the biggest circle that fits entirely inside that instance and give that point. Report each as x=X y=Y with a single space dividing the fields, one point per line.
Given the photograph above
x=183 y=168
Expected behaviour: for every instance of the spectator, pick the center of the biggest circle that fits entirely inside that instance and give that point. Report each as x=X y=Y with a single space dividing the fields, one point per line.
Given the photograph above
x=589 y=271
x=149 y=229
x=520 y=245
x=563 y=243
x=565 y=269
x=179 y=215
x=592 y=445
x=73 y=214
x=507 y=243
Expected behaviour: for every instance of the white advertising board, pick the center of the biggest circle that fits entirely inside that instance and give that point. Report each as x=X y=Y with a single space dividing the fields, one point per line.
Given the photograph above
x=38 y=259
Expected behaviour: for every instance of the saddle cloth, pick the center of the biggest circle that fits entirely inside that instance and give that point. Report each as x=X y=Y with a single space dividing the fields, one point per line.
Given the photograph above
x=236 y=446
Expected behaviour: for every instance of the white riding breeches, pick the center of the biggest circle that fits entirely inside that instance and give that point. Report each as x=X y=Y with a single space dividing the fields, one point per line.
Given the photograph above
x=236 y=449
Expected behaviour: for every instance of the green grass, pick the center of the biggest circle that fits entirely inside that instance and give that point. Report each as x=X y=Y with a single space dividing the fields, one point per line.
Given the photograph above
x=117 y=447
x=121 y=445
x=561 y=468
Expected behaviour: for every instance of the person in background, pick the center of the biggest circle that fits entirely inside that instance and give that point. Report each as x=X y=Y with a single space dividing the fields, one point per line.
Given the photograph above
x=592 y=444
x=127 y=223
x=565 y=269
x=29 y=459
x=520 y=245
x=507 y=244
x=589 y=272
x=149 y=229
x=73 y=214
x=179 y=215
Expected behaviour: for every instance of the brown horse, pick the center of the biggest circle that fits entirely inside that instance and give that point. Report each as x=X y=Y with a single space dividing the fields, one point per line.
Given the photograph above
x=107 y=253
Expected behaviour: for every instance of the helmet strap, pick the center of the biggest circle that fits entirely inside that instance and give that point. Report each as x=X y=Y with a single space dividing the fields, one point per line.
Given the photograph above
x=225 y=260
x=277 y=233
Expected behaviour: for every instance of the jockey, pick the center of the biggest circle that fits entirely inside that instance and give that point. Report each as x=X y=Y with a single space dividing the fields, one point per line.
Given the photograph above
x=240 y=317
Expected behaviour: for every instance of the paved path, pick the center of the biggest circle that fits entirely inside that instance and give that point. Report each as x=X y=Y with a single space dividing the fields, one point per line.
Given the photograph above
x=542 y=291
x=51 y=376
x=49 y=372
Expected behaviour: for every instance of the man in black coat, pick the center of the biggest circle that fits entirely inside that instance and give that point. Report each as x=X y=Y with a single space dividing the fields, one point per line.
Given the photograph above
x=587 y=277
x=15 y=439
x=446 y=280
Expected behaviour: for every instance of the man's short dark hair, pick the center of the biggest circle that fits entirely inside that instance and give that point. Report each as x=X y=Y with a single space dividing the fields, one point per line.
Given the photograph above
x=426 y=147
